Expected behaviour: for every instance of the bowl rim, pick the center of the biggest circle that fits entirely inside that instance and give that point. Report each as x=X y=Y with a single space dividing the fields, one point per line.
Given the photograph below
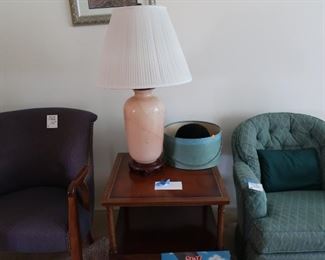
x=214 y=130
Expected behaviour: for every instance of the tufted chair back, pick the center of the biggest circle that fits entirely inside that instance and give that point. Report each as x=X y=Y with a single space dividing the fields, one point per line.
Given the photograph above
x=278 y=131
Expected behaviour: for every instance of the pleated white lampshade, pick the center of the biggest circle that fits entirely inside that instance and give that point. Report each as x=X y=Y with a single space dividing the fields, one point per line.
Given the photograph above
x=142 y=50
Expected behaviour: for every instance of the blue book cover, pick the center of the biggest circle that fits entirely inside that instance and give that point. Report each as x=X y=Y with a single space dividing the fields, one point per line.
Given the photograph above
x=202 y=255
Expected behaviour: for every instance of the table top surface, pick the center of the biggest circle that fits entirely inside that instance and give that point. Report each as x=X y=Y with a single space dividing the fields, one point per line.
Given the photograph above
x=126 y=188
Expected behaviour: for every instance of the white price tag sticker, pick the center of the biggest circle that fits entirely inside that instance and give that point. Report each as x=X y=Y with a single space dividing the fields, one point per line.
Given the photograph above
x=255 y=186
x=52 y=121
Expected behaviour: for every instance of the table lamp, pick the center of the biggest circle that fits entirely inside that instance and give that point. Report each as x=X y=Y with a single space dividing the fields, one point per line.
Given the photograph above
x=142 y=52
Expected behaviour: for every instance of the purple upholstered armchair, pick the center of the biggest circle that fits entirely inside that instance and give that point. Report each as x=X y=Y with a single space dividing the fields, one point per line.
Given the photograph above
x=46 y=180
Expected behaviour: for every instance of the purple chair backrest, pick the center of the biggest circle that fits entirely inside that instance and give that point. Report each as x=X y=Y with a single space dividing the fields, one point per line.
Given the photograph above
x=33 y=155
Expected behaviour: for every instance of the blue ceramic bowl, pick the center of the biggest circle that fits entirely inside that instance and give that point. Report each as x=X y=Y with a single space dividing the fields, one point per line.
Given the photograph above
x=192 y=154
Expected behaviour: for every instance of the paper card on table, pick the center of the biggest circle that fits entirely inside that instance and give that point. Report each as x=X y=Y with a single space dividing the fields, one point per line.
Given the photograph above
x=172 y=185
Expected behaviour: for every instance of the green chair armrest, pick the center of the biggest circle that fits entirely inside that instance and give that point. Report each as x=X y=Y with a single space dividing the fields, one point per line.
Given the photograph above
x=255 y=202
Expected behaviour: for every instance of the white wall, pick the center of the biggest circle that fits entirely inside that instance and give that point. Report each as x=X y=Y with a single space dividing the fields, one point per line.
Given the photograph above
x=247 y=57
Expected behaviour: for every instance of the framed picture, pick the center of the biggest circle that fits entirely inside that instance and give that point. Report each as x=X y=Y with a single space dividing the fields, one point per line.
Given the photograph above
x=85 y=12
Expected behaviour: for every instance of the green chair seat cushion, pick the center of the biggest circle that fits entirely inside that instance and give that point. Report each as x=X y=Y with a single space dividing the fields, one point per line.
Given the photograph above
x=283 y=170
x=294 y=223
x=252 y=255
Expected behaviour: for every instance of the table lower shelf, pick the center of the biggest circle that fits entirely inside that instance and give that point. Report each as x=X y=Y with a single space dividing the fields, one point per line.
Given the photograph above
x=165 y=229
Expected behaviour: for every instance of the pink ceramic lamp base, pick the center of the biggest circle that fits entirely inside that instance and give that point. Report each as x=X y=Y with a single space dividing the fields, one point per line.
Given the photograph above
x=144 y=125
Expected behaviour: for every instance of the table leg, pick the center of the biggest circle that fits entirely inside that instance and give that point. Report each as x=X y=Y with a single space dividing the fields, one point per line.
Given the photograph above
x=220 y=227
x=111 y=230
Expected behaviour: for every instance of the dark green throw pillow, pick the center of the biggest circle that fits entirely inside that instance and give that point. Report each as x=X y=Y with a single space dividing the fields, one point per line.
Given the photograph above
x=283 y=170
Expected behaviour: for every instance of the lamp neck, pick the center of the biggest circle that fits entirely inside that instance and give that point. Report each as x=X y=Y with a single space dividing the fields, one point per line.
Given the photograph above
x=143 y=92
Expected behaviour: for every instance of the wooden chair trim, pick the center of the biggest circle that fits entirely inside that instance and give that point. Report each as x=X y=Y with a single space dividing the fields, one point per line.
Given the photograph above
x=77 y=185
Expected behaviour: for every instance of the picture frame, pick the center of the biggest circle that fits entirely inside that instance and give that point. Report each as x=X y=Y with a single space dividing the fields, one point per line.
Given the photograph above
x=87 y=12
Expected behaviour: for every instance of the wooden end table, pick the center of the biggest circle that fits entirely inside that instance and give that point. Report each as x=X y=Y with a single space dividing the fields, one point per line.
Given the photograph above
x=151 y=221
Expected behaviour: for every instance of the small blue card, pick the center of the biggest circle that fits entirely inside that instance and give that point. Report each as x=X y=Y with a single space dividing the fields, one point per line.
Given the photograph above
x=201 y=255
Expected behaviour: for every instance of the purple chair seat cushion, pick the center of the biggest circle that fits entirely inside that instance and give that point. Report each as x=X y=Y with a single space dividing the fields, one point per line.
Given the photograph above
x=35 y=220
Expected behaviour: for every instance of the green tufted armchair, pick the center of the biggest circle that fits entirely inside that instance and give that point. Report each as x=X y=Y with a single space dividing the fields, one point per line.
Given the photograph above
x=278 y=225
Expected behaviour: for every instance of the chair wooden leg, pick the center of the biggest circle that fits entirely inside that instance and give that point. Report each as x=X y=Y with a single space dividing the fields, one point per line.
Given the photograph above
x=79 y=184
x=76 y=253
x=74 y=233
x=90 y=238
